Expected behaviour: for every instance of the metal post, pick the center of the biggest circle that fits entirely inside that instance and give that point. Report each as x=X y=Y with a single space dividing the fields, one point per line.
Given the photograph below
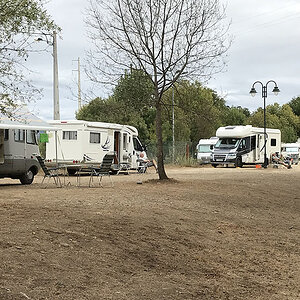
x=56 y=151
x=264 y=94
x=173 y=126
x=56 y=114
x=79 y=89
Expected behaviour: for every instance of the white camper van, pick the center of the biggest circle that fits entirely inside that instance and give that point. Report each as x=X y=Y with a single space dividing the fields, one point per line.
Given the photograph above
x=291 y=151
x=244 y=145
x=204 y=150
x=18 y=146
x=85 y=143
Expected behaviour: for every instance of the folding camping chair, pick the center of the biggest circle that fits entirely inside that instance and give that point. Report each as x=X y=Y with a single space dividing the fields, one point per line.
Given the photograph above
x=49 y=172
x=103 y=170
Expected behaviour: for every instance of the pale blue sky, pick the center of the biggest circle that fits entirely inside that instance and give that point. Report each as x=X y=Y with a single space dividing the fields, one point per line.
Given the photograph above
x=266 y=46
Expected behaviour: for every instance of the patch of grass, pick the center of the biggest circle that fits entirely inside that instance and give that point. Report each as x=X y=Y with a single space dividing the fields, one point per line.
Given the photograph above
x=186 y=162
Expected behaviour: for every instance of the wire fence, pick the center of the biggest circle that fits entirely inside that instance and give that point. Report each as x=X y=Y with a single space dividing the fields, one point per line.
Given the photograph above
x=182 y=153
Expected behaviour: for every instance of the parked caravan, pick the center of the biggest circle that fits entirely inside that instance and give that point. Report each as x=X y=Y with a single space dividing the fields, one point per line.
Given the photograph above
x=204 y=150
x=18 y=146
x=244 y=145
x=85 y=143
x=291 y=151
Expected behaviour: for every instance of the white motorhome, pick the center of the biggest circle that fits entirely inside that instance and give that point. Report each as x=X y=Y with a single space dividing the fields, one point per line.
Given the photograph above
x=86 y=143
x=204 y=150
x=18 y=146
x=244 y=145
x=291 y=151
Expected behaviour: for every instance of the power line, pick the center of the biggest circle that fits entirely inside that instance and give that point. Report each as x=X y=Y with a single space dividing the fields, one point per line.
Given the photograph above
x=257 y=15
x=268 y=24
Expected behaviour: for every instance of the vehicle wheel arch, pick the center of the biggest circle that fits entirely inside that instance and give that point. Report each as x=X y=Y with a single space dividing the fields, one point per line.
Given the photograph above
x=28 y=176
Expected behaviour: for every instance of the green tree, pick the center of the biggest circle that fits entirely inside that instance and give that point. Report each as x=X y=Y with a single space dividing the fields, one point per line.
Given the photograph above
x=101 y=110
x=129 y=104
x=134 y=93
x=280 y=117
x=295 y=105
x=235 y=115
x=198 y=109
x=19 y=21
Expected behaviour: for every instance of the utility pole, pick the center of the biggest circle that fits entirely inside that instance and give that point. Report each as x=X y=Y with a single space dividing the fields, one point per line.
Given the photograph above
x=56 y=113
x=78 y=83
x=53 y=43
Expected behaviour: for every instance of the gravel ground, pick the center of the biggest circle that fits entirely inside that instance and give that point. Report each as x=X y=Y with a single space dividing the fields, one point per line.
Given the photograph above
x=221 y=233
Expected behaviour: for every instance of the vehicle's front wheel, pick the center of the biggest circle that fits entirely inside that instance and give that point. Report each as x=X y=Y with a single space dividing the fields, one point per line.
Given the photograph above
x=239 y=162
x=214 y=165
x=27 y=177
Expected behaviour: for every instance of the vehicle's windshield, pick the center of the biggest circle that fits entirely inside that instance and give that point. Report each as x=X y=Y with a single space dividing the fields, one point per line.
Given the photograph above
x=204 y=148
x=227 y=143
x=292 y=149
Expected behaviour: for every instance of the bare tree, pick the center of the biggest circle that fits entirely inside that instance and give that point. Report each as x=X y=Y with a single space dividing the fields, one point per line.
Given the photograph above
x=167 y=39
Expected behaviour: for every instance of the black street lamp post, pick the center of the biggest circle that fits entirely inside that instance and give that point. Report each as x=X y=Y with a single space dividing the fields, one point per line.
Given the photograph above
x=253 y=92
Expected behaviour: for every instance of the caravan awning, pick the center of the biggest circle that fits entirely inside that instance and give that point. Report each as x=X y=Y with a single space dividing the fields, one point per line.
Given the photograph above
x=23 y=119
x=27 y=127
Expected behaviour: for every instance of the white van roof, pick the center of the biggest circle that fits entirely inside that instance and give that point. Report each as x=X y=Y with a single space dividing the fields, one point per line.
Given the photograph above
x=61 y=123
x=210 y=141
x=290 y=145
x=241 y=131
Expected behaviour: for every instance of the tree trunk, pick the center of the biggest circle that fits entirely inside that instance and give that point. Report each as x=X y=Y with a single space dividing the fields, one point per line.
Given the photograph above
x=160 y=161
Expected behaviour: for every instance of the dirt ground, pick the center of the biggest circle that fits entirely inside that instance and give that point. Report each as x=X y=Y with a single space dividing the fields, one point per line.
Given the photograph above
x=221 y=233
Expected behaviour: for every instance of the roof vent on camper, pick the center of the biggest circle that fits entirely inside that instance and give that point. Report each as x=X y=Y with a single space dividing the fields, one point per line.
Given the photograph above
x=229 y=127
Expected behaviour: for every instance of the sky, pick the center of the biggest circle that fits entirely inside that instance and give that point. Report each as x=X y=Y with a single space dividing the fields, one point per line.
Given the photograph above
x=266 y=35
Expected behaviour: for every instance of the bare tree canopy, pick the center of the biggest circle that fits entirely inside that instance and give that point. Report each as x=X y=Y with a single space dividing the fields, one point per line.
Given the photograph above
x=162 y=37
x=19 y=21
x=167 y=39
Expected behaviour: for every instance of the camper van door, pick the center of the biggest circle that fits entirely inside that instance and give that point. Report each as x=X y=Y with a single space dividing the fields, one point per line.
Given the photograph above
x=31 y=147
x=18 y=150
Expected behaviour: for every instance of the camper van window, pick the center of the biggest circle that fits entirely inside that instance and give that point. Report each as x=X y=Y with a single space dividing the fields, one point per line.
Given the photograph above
x=137 y=145
x=124 y=141
x=31 y=137
x=19 y=135
x=227 y=143
x=290 y=149
x=253 y=142
x=6 y=135
x=273 y=142
x=242 y=144
x=204 y=148
x=69 y=135
x=95 y=138
x=245 y=143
